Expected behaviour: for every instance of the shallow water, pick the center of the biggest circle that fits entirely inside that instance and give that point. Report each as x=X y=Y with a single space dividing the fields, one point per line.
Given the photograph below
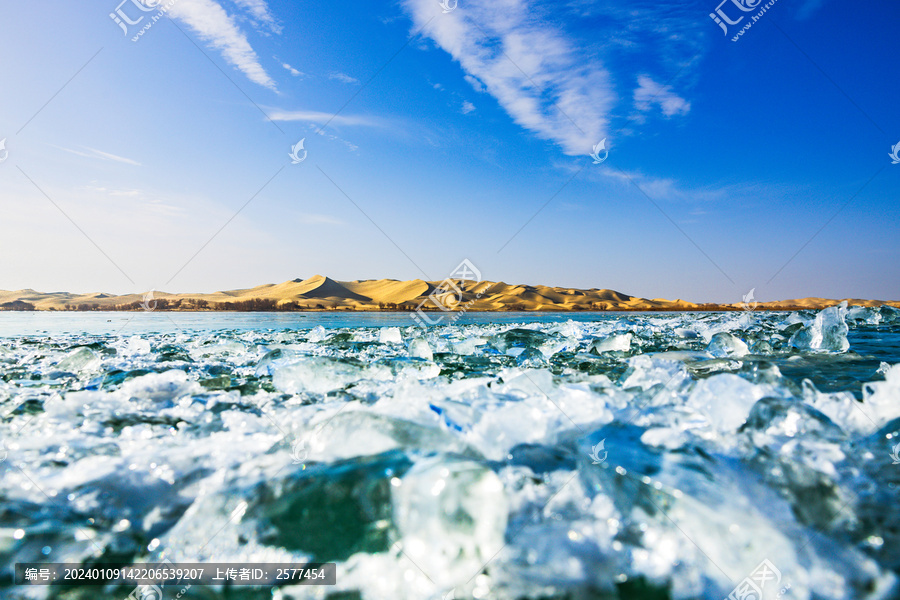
x=124 y=323
x=512 y=455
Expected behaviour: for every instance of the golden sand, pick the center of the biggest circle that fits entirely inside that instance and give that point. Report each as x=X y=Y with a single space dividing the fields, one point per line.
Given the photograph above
x=323 y=293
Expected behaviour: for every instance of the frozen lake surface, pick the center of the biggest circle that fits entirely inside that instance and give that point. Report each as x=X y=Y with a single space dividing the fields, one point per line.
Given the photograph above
x=508 y=455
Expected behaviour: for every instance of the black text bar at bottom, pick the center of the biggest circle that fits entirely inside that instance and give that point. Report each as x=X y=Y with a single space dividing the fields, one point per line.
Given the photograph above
x=168 y=573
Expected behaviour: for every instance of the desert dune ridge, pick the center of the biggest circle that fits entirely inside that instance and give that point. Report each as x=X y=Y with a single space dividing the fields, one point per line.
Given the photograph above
x=323 y=293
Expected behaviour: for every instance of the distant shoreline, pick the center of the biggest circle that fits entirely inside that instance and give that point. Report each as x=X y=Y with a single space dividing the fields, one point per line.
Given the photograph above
x=322 y=294
x=722 y=308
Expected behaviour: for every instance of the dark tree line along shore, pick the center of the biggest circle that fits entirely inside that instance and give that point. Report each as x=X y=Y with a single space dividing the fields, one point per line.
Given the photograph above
x=271 y=305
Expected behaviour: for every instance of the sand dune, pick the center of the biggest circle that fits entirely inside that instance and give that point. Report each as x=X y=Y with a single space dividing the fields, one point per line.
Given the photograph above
x=323 y=287
x=323 y=293
x=390 y=290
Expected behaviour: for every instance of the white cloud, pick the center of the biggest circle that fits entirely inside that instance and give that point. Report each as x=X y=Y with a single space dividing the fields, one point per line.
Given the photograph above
x=126 y=193
x=316 y=219
x=260 y=12
x=313 y=116
x=555 y=71
x=320 y=132
x=343 y=78
x=210 y=21
x=291 y=70
x=93 y=153
x=649 y=92
x=476 y=85
x=120 y=192
x=534 y=71
x=467 y=107
x=665 y=188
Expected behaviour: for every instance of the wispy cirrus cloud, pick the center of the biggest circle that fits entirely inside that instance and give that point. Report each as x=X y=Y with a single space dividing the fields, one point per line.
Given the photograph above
x=657 y=188
x=220 y=31
x=650 y=92
x=260 y=12
x=343 y=78
x=663 y=188
x=313 y=116
x=562 y=74
x=291 y=70
x=120 y=192
x=476 y=85
x=94 y=153
x=530 y=66
x=675 y=191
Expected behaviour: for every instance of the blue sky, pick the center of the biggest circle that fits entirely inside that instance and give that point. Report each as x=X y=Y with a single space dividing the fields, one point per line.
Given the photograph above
x=435 y=136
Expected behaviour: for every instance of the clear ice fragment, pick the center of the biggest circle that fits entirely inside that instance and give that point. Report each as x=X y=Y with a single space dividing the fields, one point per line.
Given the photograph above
x=828 y=333
x=614 y=343
x=79 y=359
x=390 y=335
x=724 y=344
x=452 y=517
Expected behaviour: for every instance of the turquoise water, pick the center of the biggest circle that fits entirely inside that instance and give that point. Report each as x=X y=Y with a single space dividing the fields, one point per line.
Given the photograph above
x=508 y=455
x=30 y=323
